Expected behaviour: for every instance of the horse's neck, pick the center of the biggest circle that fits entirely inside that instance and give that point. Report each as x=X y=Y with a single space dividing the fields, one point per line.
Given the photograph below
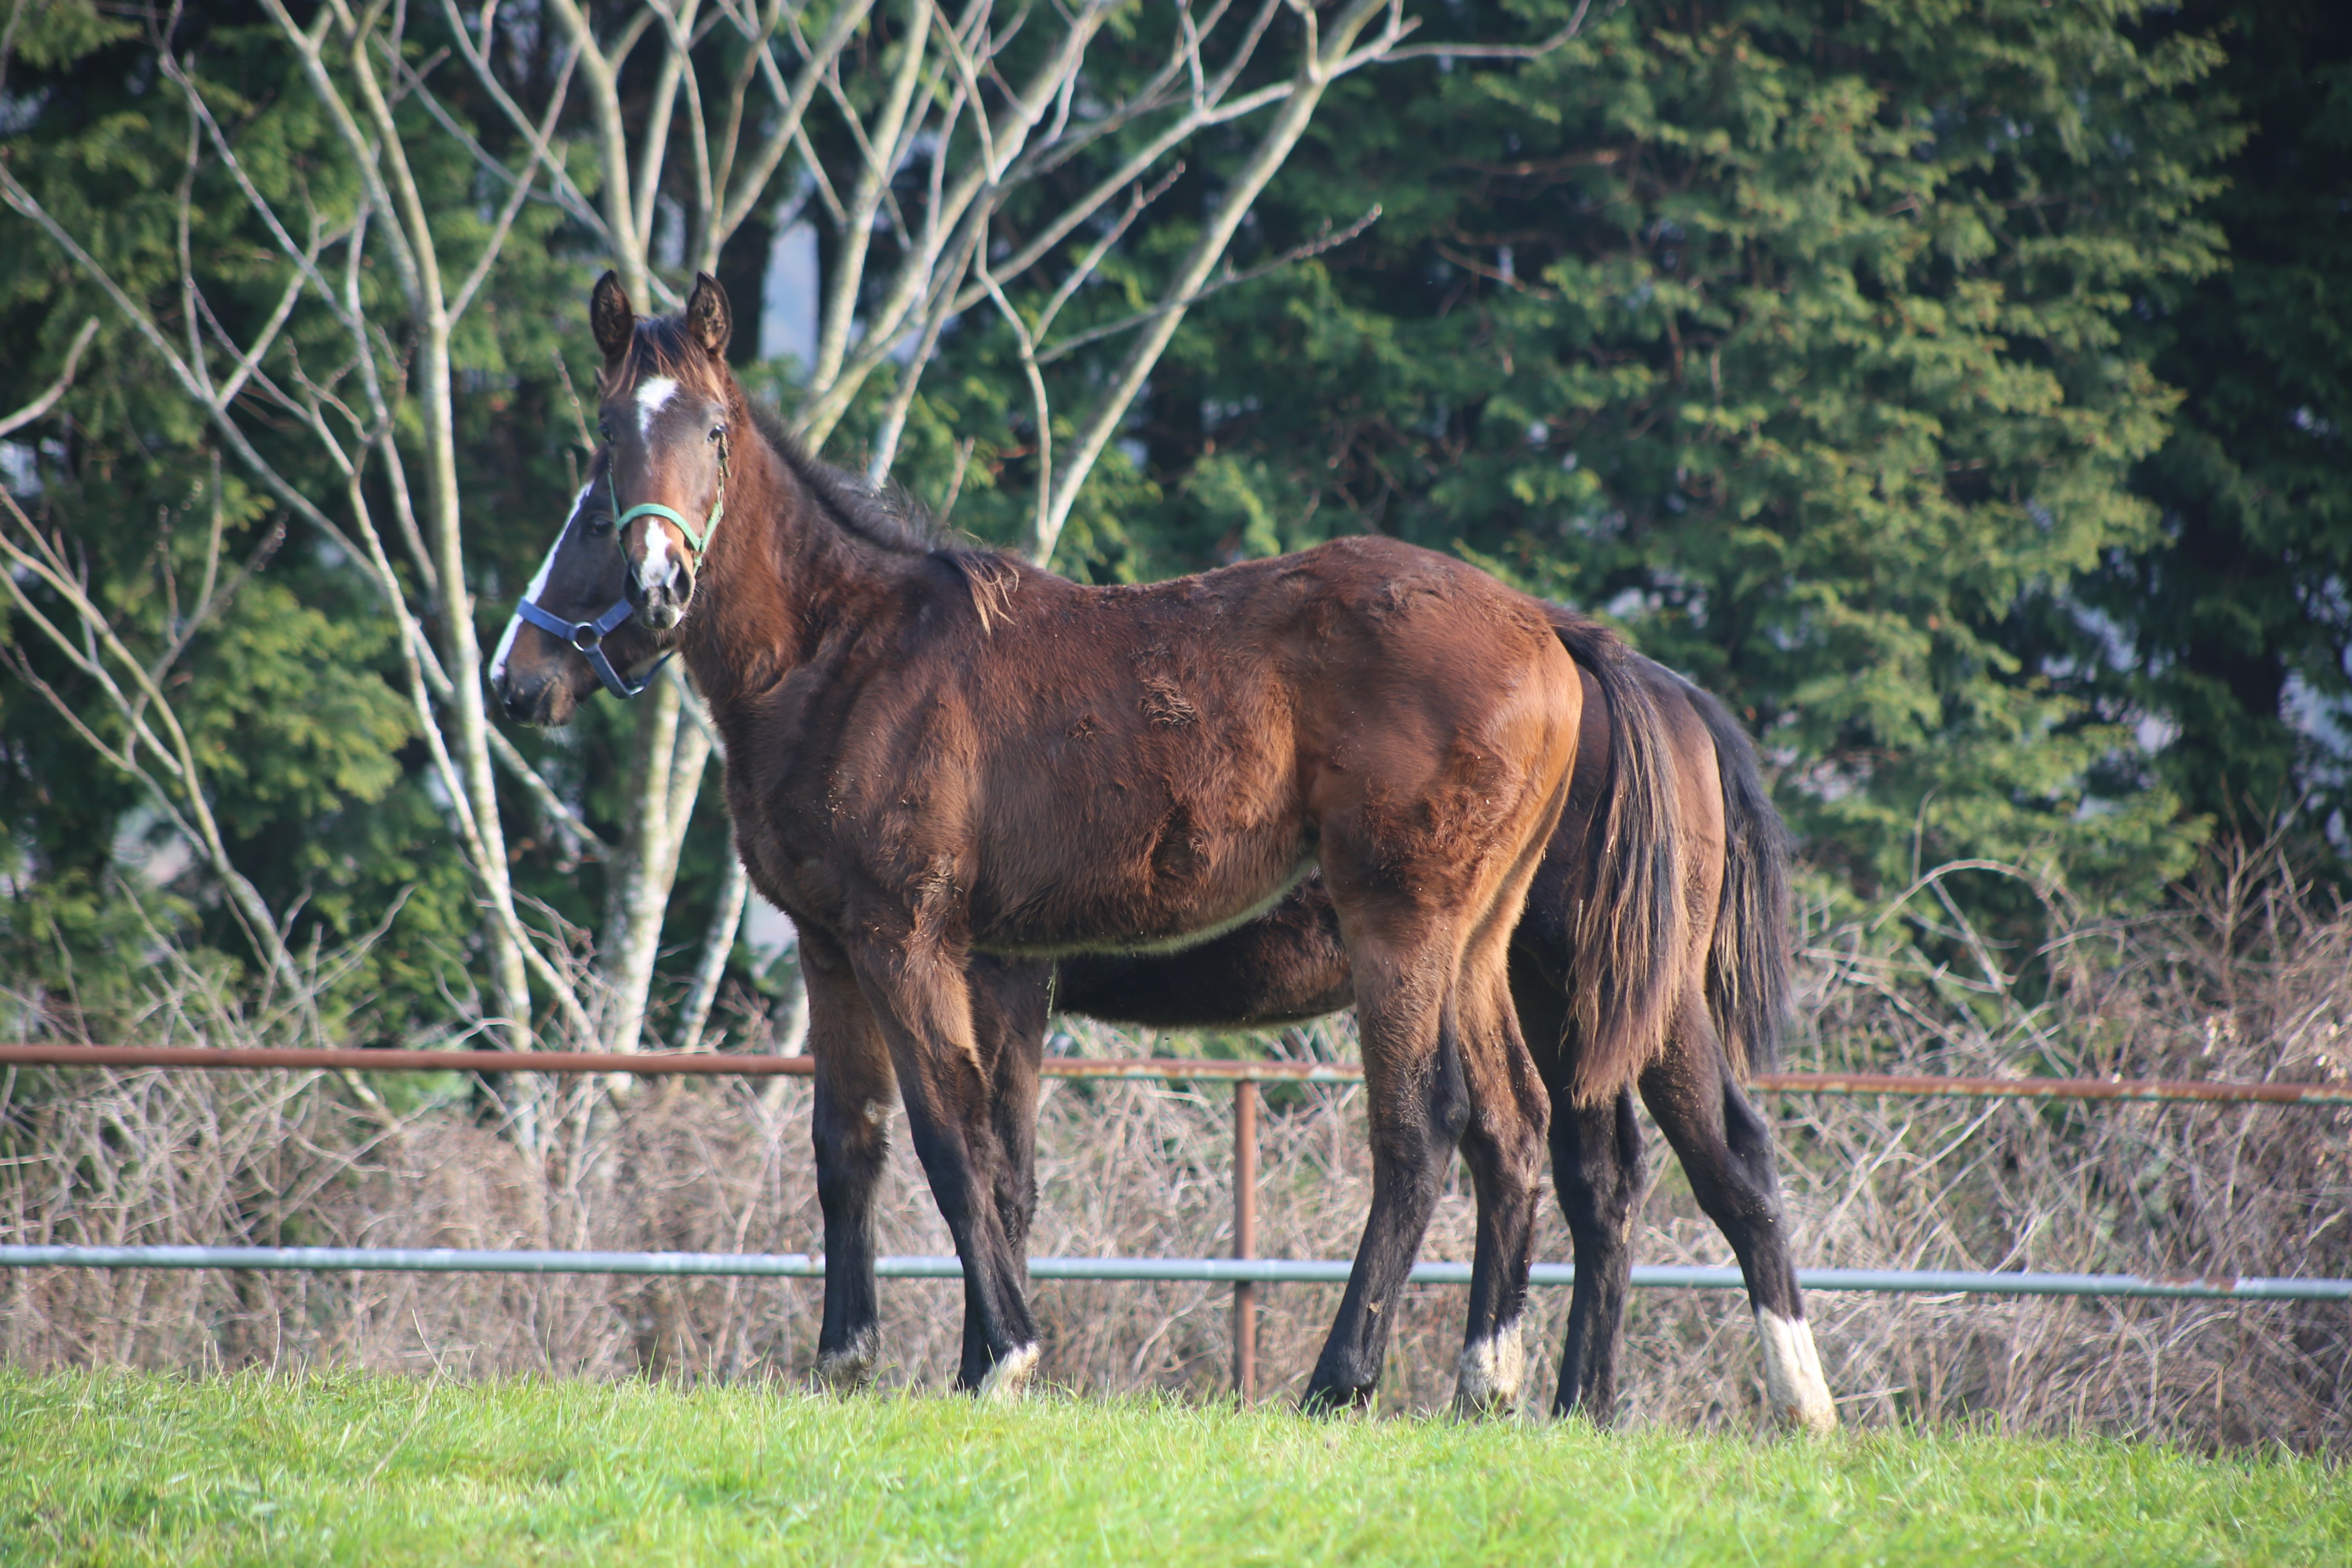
x=784 y=575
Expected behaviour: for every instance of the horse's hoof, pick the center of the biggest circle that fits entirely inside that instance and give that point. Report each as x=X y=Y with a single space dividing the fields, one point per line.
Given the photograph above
x=1793 y=1385
x=1009 y=1376
x=1488 y=1376
x=1333 y=1399
x=844 y=1371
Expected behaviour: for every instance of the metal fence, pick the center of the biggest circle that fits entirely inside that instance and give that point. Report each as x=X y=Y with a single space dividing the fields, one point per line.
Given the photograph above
x=1243 y=1270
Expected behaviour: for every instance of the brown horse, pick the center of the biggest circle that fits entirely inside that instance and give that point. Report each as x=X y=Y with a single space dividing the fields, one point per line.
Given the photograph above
x=938 y=754
x=1724 y=993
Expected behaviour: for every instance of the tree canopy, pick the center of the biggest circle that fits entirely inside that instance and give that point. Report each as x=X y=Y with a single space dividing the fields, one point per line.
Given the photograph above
x=1958 y=391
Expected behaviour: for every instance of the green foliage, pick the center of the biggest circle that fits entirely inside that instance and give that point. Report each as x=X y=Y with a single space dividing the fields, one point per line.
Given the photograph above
x=291 y=690
x=134 y=1469
x=2237 y=623
x=1797 y=337
x=1956 y=389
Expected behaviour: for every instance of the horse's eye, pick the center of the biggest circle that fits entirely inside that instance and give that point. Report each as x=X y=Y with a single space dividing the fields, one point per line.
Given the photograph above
x=597 y=523
x=604 y=429
x=717 y=431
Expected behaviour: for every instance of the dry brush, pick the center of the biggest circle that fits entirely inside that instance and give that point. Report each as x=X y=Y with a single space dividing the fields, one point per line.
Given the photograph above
x=2250 y=984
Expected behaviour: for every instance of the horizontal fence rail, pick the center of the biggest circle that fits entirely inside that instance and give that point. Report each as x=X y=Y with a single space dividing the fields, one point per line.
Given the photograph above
x=1244 y=1272
x=724 y=1064
x=1202 y=1271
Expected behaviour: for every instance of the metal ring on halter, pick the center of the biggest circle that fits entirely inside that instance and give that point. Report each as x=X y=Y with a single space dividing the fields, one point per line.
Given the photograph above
x=588 y=638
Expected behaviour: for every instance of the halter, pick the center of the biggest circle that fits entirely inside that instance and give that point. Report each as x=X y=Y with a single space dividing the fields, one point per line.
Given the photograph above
x=697 y=542
x=588 y=638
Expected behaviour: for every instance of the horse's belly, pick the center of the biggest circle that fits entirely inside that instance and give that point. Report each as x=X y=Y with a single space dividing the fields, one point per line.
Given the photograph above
x=1110 y=913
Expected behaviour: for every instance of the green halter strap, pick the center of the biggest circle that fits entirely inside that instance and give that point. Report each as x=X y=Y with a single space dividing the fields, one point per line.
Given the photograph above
x=697 y=542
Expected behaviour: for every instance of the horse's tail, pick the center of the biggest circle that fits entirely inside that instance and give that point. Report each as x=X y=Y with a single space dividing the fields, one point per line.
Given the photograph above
x=1748 y=962
x=1629 y=924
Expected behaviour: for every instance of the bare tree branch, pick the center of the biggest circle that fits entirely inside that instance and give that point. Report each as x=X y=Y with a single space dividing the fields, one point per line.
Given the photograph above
x=57 y=389
x=1225 y=280
x=252 y=911
x=1322 y=64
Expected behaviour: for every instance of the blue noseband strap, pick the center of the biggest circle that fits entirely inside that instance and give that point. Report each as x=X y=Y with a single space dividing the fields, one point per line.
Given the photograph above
x=588 y=638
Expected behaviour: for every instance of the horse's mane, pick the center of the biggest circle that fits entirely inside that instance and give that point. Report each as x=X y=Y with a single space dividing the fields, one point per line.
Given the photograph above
x=890 y=520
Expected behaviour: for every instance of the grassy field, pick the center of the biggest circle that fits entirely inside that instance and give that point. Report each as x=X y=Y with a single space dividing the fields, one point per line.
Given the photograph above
x=112 y=1468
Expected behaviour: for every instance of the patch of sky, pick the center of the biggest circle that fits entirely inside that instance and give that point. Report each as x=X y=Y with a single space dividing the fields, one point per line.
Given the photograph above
x=19 y=110
x=670 y=233
x=2324 y=721
x=20 y=468
x=789 y=294
x=768 y=931
x=149 y=848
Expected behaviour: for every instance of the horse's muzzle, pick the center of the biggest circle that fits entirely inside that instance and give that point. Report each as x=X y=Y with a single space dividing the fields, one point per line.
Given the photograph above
x=541 y=704
x=662 y=605
x=659 y=590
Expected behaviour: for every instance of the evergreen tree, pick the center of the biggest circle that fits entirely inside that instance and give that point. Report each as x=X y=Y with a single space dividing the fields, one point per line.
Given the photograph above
x=2236 y=623
x=1799 y=337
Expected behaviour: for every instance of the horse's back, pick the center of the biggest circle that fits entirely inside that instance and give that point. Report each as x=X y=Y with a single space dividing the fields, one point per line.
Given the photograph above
x=1126 y=767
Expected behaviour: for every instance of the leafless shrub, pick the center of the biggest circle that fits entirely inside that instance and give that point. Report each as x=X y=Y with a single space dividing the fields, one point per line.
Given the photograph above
x=2250 y=984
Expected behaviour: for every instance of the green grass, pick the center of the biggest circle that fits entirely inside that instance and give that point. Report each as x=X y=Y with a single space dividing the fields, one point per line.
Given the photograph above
x=111 y=1468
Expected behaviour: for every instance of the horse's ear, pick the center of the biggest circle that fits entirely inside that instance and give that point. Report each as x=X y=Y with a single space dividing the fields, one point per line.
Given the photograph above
x=609 y=313
x=707 y=316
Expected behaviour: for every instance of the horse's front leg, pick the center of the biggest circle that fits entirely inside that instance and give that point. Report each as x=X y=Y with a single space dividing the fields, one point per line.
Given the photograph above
x=922 y=999
x=850 y=1125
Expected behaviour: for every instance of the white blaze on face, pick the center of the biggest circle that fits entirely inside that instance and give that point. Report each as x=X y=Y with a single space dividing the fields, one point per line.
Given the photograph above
x=655 y=569
x=538 y=584
x=652 y=395
x=1793 y=1383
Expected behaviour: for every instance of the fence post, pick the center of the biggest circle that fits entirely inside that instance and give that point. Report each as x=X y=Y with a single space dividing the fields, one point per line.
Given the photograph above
x=1245 y=1236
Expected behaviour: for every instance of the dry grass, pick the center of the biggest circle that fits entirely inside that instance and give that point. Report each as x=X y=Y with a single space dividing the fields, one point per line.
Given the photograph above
x=2252 y=985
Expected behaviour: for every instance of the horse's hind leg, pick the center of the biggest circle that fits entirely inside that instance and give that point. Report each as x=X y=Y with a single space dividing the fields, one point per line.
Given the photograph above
x=1727 y=1150
x=1418 y=1104
x=1503 y=1147
x=1596 y=1171
x=1596 y=1164
x=850 y=1125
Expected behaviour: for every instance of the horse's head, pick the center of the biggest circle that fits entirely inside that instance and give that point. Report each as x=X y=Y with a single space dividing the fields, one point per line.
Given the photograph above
x=667 y=403
x=573 y=630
